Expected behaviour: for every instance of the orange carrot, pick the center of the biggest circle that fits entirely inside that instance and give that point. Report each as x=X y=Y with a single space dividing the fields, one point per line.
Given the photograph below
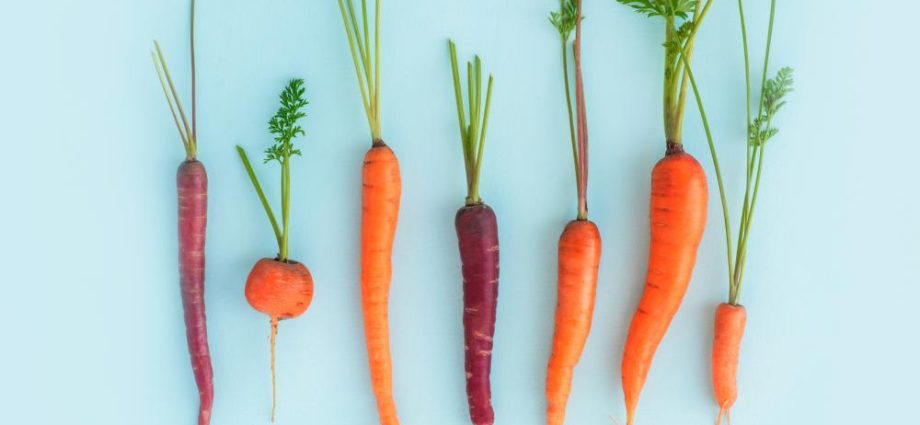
x=379 y=206
x=726 y=344
x=580 y=243
x=678 y=216
x=731 y=317
x=380 y=209
x=281 y=288
x=579 y=258
x=678 y=204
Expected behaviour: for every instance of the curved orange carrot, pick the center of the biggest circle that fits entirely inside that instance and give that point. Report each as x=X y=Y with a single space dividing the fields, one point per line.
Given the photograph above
x=579 y=258
x=678 y=216
x=379 y=212
x=726 y=345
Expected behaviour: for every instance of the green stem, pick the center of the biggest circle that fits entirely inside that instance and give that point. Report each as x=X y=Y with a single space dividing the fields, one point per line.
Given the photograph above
x=194 y=138
x=715 y=162
x=172 y=108
x=568 y=104
x=190 y=146
x=461 y=117
x=285 y=206
x=358 y=44
x=481 y=143
x=258 y=187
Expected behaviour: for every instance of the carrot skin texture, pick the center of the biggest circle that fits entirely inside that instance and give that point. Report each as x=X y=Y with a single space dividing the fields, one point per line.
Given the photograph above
x=192 y=185
x=678 y=217
x=579 y=259
x=477 y=234
x=726 y=346
x=379 y=214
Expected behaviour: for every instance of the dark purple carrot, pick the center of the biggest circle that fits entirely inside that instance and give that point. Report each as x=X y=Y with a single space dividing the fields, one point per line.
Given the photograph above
x=477 y=233
x=192 y=185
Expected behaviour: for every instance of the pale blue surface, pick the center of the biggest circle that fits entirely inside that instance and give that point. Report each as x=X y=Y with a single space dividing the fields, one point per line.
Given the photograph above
x=91 y=322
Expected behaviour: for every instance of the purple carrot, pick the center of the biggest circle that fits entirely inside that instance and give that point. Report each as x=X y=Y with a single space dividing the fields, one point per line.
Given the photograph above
x=192 y=185
x=477 y=233
x=192 y=182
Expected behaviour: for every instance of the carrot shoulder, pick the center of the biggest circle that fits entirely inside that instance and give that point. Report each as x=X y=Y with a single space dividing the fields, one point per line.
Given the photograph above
x=380 y=210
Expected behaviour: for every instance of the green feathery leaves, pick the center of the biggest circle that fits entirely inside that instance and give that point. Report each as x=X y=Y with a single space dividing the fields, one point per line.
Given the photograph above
x=775 y=90
x=284 y=124
x=565 y=19
x=664 y=8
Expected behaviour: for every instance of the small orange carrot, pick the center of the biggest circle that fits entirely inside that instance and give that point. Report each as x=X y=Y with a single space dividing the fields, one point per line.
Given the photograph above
x=379 y=207
x=726 y=344
x=281 y=288
x=730 y=317
x=580 y=243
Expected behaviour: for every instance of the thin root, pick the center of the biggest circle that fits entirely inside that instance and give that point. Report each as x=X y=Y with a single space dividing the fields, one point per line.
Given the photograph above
x=274 y=384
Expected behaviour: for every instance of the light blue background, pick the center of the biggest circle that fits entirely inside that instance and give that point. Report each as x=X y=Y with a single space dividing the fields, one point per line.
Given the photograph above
x=91 y=322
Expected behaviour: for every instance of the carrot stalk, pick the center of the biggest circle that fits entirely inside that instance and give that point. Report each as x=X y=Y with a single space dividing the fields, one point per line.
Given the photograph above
x=580 y=243
x=381 y=188
x=477 y=235
x=192 y=188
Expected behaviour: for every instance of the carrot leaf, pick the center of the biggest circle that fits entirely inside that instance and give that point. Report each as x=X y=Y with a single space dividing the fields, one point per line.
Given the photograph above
x=284 y=124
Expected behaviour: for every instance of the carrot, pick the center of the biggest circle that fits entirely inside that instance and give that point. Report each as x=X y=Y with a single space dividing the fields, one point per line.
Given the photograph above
x=579 y=259
x=280 y=287
x=726 y=344
x=580 y=243
x=731 y=317
x=678 y=203
x=477 y=235
x=381 y=187
x=192 y=188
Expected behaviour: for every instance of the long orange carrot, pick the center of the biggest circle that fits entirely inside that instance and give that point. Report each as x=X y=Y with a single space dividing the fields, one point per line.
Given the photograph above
x=379 y=207
x=678 y=216
x=580 y=243
x=678 y=204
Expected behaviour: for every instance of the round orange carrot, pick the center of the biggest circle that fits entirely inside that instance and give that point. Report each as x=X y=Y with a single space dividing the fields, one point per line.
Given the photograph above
x=678 y=216
x=579 y=258
x=380 y=209
x=726 y=345
x=281 y=289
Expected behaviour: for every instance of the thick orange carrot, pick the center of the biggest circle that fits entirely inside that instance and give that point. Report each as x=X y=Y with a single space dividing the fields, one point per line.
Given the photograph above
x=678 y=216
x=379 y=212
x=726 y=345
x=579 y=258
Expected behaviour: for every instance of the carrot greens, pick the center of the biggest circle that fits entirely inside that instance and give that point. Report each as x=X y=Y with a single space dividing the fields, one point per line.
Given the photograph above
x=472 y=134
x=682 y=20
x=366 y=60
x=760 y=130
x=285 y=128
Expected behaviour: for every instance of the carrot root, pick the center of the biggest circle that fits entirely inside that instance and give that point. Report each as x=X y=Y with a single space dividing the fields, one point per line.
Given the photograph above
x=477 y=234
x=192 y=185
x=677 y=217
x=380 y=211
x=726 y=347
x=579 y=259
